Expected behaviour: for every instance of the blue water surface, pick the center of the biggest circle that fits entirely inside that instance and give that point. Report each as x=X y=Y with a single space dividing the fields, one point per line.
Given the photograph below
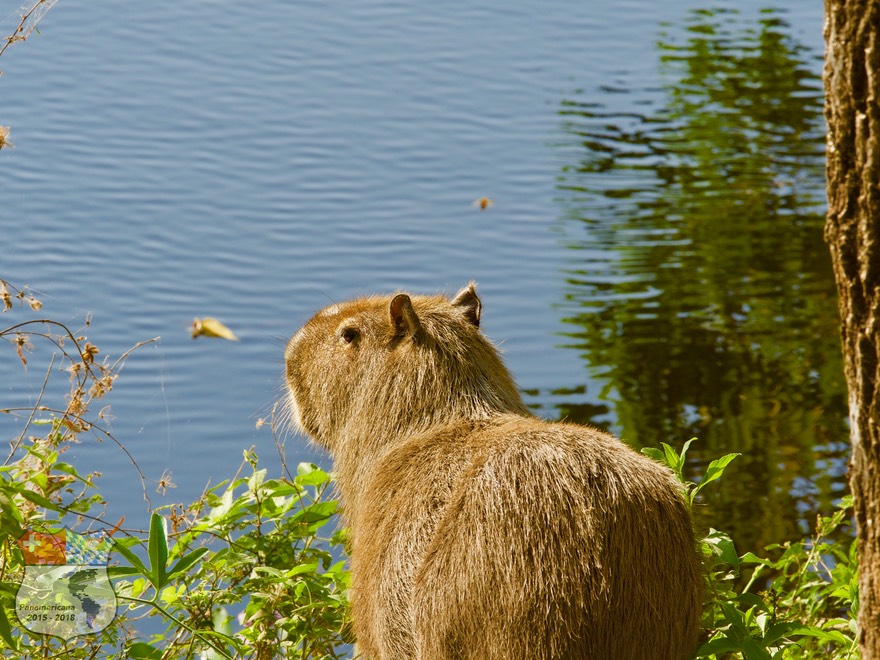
x=252 y=161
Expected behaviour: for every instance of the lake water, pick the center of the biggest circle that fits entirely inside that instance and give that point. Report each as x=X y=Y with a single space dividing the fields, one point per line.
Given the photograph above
x=653 y=262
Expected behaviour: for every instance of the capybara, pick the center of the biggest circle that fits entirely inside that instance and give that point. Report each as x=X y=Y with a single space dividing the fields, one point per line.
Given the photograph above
x=479 y=531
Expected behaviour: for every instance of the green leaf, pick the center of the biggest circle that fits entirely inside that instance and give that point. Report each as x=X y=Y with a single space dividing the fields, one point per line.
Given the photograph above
x=39 y=500
x=752 y=600
x=270 y=571
x=684 y=449
x=654 y=453
x=158 y=550
x=752 y=650
x=315 y=477
x=225 y=504
x=782 y=629
x=143 y=651
x=122 y=571
x=714 y=471
x=222 y=621
x=825 y=636
x=6 y=630
x=134 y=560
x=734 y=617
x=673 y=460
x=722 y=547
x=185 y=562
x=843 y=593
x=303 y=568
x=316 y=512
x=720 y=645
x=256 y=480
x=284 y=489
x=67 y=468
x=338 y=567
x=10 y=518
x=752 y=558
x=171 y=594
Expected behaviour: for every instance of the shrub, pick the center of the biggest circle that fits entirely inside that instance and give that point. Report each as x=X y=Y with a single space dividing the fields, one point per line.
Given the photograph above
x=243 y=572
x=799 y=602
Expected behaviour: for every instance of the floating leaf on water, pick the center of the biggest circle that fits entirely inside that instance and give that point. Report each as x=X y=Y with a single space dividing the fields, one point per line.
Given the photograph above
x=483 y=203
x=209 y=327
x=4 y=137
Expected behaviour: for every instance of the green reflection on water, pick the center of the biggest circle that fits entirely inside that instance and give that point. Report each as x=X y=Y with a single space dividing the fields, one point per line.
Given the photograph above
x=700 y=290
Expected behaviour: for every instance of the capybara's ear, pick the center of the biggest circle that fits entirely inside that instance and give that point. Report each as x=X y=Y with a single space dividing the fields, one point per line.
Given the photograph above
x=404 y=321
x=470 y=303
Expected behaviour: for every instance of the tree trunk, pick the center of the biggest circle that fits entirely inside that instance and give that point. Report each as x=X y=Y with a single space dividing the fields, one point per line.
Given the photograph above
x=852 y=230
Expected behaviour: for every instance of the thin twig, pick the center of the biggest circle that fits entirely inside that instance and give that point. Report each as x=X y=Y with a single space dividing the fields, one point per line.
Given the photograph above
x=51 y=338
x=87 y=374
x=279 y=446
x=33 y=412
x=20 y=33
x=95 y=428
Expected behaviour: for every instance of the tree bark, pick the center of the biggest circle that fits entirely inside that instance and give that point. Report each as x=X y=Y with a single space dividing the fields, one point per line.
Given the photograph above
x=852 y=231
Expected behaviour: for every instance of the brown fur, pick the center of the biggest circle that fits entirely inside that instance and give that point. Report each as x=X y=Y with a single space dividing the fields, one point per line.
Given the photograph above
x=478 y=530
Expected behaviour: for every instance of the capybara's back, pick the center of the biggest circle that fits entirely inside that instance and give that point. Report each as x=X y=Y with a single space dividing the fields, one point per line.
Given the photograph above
x=535 y=540
x=478 y=530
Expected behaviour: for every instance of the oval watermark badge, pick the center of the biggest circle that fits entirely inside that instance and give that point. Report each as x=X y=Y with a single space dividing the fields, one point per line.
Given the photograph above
x=66 y=590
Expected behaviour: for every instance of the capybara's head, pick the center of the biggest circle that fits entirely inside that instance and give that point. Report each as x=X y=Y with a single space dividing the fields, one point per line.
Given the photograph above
x=393 y=365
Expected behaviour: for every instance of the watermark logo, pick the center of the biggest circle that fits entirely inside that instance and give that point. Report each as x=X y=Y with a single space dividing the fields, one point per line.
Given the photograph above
x=66 y=590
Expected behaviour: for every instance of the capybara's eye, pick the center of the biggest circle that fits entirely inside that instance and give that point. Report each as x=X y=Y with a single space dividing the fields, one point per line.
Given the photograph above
x=349 y=335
